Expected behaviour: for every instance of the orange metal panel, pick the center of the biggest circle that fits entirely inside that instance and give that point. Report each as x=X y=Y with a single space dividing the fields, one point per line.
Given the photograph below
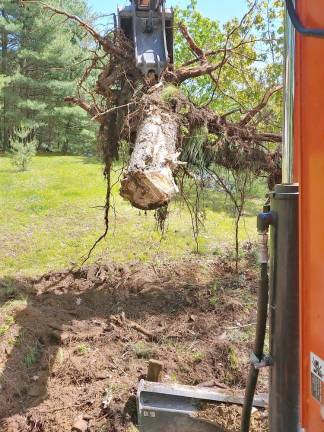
x=309 y=151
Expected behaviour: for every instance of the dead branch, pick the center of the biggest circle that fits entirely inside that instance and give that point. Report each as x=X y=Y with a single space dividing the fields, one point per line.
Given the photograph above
x=122 y=321
x=140 y=329
x=90 y=109
x=184 y=73
x=110 y=110
x=213 y=53
x=192 y=44
x=219 y=125
x=253 y=112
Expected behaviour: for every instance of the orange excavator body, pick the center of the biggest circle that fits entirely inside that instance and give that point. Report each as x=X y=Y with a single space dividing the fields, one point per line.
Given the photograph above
x=309 y=173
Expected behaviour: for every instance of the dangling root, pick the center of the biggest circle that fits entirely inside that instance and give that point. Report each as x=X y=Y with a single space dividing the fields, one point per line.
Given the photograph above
x=107 y=207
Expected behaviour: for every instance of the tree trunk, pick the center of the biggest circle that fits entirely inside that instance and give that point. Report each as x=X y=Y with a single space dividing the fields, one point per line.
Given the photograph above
x=148 y=182
x=4 y=71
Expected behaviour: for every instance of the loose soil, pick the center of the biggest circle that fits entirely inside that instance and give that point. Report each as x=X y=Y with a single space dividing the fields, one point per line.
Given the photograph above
x=228 y=418
x=72 y=340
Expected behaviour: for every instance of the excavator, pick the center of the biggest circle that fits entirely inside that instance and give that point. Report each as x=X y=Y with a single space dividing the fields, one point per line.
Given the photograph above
x=291 y=288
x=149 y=26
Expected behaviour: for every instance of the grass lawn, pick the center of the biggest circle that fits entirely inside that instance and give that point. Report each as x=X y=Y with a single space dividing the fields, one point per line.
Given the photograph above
x=49 y=219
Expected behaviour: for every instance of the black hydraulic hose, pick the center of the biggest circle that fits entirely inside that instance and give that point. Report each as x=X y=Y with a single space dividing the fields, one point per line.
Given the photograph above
x=261 y=326
x=314 y=32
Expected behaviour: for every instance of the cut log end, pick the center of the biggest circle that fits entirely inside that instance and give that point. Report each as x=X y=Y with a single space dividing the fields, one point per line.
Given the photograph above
x=148 y=190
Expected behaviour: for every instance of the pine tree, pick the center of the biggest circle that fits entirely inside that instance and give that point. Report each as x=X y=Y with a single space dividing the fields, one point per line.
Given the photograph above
x=41 y=62
x=23 y=147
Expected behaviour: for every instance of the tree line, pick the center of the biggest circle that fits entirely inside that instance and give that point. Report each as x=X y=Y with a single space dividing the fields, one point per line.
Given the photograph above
x=60 y=77
x=42 y=59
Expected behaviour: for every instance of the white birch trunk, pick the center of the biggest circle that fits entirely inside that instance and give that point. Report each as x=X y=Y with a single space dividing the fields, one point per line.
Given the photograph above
x=148 y=182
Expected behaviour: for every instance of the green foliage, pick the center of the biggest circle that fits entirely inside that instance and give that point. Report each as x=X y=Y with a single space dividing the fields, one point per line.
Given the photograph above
x=11 y=305
x=82 y=349
x=22 y=147
x=18 y=340
x=143 y=350
x=193 y=151
x=214 y=293
x=233 y=357
x=197 y=357
x=43 y=58
x=8 y=289
x=32 y=355
x=169 y=93
x=255 y=67
x=5 y=327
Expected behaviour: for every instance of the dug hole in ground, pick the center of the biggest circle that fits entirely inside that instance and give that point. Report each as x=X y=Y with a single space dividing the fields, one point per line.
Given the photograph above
x=75 y=344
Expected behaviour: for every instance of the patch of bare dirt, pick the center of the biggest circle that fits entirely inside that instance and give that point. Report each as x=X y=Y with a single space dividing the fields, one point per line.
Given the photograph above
x=76 y=343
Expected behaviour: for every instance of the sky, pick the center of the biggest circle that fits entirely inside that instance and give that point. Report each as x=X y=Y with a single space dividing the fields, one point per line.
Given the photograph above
x=221 y=10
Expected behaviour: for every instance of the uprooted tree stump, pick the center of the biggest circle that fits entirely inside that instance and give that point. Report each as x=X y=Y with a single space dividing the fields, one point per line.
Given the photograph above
x=129 y=107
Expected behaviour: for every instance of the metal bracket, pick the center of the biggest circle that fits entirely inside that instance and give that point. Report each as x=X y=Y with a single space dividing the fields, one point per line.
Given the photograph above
x=173 y=407
x=260 y=363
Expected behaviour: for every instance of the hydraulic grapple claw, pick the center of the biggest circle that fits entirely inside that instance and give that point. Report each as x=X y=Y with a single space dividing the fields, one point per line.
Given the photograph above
x=150 y=27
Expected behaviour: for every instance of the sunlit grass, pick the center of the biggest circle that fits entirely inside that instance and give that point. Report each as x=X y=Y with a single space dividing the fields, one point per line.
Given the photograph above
x=51 y=215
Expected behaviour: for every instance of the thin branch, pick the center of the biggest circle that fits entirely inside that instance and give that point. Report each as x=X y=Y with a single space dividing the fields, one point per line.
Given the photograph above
x=90 y=109
x=253 y=112
x=101 y=114
x=221 y=50
x=182 y=74
x=192 y=44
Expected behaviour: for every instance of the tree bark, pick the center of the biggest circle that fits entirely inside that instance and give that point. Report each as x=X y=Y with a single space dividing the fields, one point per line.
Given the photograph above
x=148 y=182
x=4 y=71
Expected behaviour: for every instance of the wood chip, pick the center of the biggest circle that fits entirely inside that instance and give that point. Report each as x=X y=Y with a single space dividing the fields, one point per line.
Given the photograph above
x=80 y=425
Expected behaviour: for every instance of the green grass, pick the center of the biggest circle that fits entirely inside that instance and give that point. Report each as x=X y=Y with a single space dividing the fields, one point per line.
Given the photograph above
x=197 y=357
x=49 y=218
x=32 y=355
x=18 y=340
x=82 y=349
x=143 y=350
x=5 y=327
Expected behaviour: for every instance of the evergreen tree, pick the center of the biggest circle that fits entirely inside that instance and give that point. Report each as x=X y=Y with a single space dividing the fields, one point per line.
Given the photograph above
x=41 y=63
x=22 y=147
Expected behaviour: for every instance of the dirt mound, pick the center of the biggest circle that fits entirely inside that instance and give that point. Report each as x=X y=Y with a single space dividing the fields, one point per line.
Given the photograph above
x=228 y=418
x=71 y=340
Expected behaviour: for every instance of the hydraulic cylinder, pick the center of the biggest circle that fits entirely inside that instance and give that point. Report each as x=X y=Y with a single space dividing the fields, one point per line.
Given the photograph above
x=284 y=310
